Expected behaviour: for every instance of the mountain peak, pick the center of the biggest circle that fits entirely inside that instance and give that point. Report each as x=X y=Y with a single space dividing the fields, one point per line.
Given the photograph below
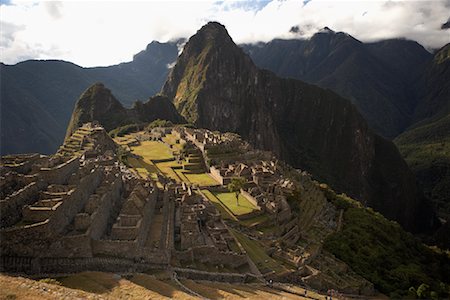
x=213 y=26
x=326 y=29
x=212 y=32
x=208 y=53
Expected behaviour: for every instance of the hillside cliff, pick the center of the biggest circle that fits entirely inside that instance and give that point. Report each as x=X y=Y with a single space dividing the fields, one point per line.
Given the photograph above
x=216 y=85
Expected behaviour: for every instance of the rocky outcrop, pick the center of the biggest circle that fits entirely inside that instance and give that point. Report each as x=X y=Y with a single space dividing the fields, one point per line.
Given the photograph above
x=216 y=85
x=97 y=103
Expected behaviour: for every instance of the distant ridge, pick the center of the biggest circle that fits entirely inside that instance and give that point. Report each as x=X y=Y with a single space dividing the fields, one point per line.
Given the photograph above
x=382 y=79
x=37 y=97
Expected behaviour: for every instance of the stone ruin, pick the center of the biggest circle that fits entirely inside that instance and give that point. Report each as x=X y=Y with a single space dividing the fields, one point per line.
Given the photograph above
x=81 y=209
x=201 y=235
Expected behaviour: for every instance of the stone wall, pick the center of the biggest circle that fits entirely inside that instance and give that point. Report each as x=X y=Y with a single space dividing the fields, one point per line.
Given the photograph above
x=213 y=276
x=107 y=202
x=60 y=174
x=149 y=211
x=35 y=214
x=11 y=206
x=129 y=250
x=215 y=173
x=75 y=201
x=29 y=240
x=250 y=198
x=210 y=254
x=20 y=163
x=47 y=266
x=71 y=246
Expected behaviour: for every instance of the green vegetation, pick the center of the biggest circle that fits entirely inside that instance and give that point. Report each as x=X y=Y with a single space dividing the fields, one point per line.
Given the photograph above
x=190 y=85
x=170 y=139
x=201 y=179
x=426 y=149
x=123 y=130
x=224 y=211
x=167 y=168
x=382 y=252
x=229 y=200
x=108 y=110
x=255 y=220
x=159 y=123
x=236 y=184
x=255 y=250
x=144 y=169
x=152 y=150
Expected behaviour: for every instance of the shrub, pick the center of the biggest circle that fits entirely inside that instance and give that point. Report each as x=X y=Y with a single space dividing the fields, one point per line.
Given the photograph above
x=159 y=123
x=123 y=130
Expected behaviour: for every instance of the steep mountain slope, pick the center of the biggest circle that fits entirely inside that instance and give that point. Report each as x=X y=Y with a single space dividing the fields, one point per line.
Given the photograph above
x=435 y=102
x=37 y=97
x=426 y=146
x=97 y=103
x=379 y=78
x=216 y=86
x=34 y=98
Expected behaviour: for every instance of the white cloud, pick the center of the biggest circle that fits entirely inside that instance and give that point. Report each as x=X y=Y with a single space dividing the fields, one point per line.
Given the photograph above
x=93 y=33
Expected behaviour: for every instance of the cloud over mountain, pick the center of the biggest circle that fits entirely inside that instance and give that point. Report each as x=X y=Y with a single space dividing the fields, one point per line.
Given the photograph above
x=103 y=33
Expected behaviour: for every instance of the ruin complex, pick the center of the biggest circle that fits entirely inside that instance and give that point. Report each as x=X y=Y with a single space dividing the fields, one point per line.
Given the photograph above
x=85 y=208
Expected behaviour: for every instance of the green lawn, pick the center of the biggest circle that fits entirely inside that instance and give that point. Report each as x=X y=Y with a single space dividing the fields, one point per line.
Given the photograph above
x=144 y=169
x=167 y=169
x=170 y=139
x=229 y=200
x=201 y=179
x=152 y=150
x=257 y=254
x=224 y=211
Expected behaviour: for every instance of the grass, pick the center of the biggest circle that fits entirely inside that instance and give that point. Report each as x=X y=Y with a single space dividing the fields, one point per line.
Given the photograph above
x=167 y=169
x=145 y=170
x=229 y=200
x=224 y=211
x=257 y=254
x=152 y=150
x=170 y=139
x=201 y=179
x=255 y=221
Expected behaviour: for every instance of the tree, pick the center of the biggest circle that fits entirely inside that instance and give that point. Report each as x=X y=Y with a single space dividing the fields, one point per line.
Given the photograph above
x=236 y=184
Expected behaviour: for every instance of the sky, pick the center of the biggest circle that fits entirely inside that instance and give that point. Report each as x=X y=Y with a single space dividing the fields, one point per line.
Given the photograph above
x=102 y=33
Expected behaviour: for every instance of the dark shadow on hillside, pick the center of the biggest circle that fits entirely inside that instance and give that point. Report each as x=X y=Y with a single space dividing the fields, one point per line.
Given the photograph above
x=158 y=286
x=92 y=282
